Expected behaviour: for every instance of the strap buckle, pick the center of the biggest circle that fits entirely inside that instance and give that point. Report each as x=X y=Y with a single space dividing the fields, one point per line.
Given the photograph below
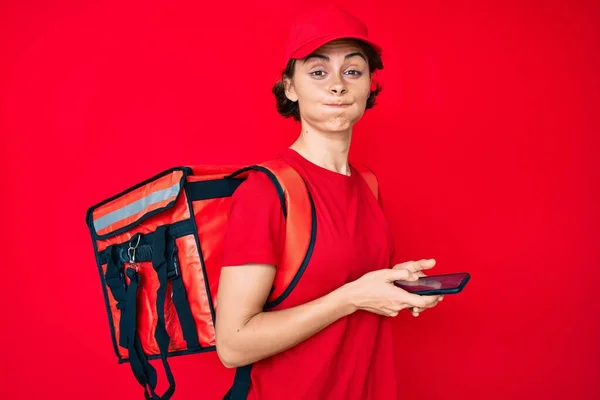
x=131 y=253
x=173 y=271
x=132 y=248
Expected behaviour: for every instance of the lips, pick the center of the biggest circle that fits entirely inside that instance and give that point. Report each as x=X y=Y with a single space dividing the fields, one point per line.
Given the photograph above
x=339 y=105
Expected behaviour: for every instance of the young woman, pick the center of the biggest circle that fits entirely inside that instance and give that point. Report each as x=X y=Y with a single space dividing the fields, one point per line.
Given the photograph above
x=331 y=338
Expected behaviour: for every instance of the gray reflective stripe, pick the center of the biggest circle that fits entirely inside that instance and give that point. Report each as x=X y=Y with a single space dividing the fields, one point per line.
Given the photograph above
x=135 y=207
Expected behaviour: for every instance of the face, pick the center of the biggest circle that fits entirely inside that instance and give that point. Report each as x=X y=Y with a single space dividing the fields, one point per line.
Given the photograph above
x=332 y=86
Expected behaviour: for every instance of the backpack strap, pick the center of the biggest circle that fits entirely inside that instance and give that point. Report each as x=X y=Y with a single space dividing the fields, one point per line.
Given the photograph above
x=301 y=230
x=301 y=225
x=369 y=176
x=125 y=295
x=159 y=263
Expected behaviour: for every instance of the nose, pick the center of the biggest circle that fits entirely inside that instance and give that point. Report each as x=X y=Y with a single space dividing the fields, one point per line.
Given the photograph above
x=337 y=87
x=338 y=90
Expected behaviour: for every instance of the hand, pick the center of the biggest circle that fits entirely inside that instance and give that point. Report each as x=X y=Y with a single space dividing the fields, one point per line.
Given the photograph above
x=417 y=267
x=375 y=292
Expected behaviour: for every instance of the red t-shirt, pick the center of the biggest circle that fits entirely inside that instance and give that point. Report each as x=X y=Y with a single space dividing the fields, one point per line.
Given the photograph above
x=353 y=358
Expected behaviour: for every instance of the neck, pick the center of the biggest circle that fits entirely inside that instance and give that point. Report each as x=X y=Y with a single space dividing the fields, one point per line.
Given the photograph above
x=326 y=149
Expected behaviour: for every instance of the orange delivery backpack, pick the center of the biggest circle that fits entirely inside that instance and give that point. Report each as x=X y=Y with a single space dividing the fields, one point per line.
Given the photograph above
x=158 y=247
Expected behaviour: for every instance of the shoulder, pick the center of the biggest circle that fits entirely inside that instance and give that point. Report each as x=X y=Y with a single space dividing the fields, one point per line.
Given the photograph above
x=256 y=184
x=256 y=192
x=255 y=224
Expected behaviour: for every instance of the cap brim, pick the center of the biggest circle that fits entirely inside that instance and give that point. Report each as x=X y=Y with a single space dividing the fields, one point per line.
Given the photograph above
x=314 y=44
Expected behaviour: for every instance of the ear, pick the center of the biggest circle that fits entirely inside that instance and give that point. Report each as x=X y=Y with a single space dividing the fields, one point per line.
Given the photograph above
x=290 y=90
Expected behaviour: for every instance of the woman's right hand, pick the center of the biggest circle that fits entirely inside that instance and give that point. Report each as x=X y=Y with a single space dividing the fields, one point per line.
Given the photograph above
x=375 y=292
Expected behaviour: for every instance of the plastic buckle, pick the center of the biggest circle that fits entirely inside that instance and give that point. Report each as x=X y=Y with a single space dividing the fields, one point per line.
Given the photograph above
x=123 y=256
x=173 y=273
x=132 y=273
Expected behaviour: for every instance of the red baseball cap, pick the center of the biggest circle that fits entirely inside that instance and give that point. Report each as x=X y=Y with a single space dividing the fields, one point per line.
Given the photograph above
x=315 y=27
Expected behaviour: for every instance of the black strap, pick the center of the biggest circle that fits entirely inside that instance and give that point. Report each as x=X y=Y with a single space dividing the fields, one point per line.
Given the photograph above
x=180 y=300
x=167 y=268
x=143 y=253
x=125 y=296
x=212 y=189
x=241 y=384
x=159 y=262
x=182 y=306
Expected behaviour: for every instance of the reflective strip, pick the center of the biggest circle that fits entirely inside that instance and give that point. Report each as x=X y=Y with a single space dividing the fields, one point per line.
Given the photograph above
x=136 y=207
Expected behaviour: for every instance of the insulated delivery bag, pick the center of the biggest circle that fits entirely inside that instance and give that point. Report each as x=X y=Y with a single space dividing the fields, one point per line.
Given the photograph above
x=158 y=247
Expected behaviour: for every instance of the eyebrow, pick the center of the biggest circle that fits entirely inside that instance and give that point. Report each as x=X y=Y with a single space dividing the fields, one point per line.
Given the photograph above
x=324 y=57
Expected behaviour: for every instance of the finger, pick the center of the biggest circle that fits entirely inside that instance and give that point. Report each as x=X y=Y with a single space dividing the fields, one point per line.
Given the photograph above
x=412 y=266
x=405 y=265
x=435 y=303
x=426 y=264
x=423 y=301
x=401 y=275
x=416 y=266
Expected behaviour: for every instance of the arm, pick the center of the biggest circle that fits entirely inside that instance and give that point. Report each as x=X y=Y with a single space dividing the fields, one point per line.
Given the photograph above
x=246 y=334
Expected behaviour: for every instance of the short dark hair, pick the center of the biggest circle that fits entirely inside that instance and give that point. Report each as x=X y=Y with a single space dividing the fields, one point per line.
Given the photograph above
x=288 y=108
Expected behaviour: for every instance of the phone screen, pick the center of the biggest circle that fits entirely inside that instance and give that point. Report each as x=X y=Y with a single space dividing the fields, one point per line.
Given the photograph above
x=435 y=282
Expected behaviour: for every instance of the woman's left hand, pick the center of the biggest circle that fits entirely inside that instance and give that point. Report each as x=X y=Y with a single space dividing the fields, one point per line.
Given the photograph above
x=417 y=268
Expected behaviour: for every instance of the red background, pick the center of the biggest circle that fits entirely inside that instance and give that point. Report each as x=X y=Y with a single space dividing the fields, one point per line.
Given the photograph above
x=485 y=141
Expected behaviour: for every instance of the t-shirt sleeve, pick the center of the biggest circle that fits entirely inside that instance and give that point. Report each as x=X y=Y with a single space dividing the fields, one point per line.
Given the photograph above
x=255 y=230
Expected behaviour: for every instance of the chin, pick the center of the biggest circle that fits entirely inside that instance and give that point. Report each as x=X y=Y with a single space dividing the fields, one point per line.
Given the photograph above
x=339 y=124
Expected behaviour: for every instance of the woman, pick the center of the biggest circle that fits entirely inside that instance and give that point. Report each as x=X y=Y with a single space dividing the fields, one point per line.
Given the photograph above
x=331 y=338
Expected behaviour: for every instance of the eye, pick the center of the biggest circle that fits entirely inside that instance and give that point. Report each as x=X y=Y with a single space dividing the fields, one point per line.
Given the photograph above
x=354 y=72
x=319 y=73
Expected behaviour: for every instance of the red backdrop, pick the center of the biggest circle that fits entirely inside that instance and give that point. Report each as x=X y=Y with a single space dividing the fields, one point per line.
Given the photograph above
x=484 y=140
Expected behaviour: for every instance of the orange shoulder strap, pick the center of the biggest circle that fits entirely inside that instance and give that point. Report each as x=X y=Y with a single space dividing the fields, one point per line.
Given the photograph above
x=300 y=231
x=368 y=176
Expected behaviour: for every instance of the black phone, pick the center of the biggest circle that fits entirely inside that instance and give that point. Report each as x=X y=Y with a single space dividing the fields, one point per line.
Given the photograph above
x=436 y=284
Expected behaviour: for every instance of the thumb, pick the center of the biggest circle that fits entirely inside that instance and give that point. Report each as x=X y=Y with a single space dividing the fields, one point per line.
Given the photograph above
x=426 y=264
x=401 y=275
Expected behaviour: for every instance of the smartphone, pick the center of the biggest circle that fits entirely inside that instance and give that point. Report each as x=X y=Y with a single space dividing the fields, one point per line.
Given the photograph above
x=436 y=284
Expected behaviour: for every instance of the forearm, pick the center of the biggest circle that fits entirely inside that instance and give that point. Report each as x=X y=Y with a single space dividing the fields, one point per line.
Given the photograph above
x=272 y=332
